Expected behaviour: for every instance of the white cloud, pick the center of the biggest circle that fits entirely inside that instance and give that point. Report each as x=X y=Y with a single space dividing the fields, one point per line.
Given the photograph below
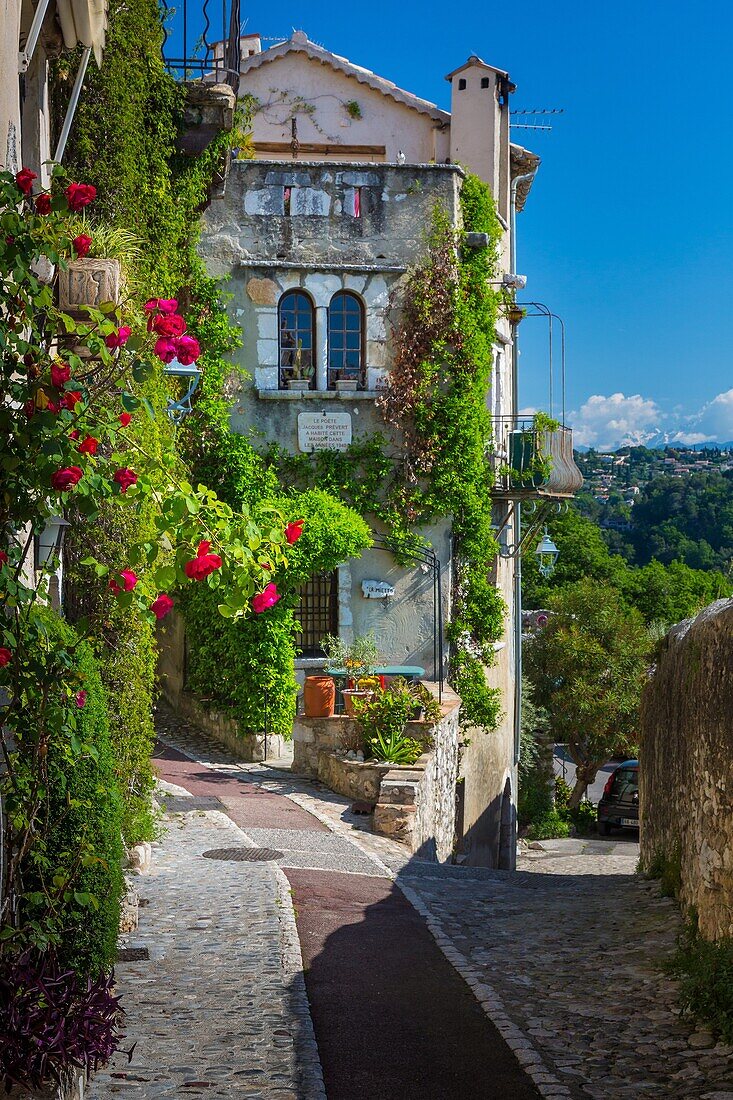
x=608 y=422
x=715 y=419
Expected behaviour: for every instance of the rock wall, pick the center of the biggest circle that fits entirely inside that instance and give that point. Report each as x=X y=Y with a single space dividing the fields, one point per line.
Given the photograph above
x=686 y=772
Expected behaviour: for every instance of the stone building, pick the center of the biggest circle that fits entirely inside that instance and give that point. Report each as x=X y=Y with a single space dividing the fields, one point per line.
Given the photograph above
x=314 y=235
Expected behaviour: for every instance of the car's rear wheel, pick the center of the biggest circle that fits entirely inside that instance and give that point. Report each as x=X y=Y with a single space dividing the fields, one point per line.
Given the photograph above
x=604 y=828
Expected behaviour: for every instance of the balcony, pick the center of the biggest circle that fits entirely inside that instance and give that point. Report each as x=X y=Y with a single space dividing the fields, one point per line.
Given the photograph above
x=530 y=462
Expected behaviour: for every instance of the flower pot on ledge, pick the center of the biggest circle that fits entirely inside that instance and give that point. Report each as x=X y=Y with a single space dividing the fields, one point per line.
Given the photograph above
x=319 y=696
x=346 y=385
x=300 y=384
x=350 y=694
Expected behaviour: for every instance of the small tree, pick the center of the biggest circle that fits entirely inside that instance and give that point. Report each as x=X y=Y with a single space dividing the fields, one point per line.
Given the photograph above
x=588 y=667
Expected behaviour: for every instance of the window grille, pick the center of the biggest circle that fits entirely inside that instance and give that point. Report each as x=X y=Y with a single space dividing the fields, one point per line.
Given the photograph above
x=317 y=613
x=345 y=339
x=295 y=325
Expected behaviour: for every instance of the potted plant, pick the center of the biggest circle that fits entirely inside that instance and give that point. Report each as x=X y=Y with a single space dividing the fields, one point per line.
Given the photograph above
x=300 y=372
x=356 y=662
x=345 y=384
x=319 y=696
x=383 y=718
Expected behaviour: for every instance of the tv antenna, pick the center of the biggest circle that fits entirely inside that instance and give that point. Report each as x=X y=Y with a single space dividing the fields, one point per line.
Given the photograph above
x=537 y=118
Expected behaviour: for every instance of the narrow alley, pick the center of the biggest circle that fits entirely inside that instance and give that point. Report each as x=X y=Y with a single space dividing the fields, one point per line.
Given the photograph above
x=420 y=980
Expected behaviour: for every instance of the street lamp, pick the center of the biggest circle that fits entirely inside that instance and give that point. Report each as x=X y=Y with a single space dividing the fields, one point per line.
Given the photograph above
x=47 y=544
x=178 y=409
x=547 y=554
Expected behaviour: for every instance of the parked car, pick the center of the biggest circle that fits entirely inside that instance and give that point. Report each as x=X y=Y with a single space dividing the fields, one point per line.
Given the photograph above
x=619 y=805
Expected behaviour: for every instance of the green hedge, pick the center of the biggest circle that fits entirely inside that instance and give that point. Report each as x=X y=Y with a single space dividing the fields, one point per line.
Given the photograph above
x=84 y=807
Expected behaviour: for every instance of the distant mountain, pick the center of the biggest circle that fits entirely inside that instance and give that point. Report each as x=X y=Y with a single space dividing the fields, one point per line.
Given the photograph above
x=658 y=442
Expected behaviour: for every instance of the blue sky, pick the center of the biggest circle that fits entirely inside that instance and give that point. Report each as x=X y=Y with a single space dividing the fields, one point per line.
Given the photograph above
x=628 y=233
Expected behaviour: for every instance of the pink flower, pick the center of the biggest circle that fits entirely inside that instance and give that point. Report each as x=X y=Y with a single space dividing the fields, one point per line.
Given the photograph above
x=6 y=656
x=43 y=204
x=203 y=564
x=124 y=478
x=118 y=339
x=89 y=446
x=161 y=605
x=265 y=599
x=293 y=531
x=82 y=244
x=66 y=478
x=80 y=699
x=129 y=580
x=187 y=350
x=60 y=374
x=168 y=324
x=125 y=419
x=151 y=306
x=70 y=399
x=79 y=195
x=75 y=435
x=167 y=305
x=24 y=180
x=165 y=349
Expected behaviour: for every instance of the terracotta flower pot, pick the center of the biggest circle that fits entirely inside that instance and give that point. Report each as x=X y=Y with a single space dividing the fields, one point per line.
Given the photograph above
x=349 y=697
x=319 y=696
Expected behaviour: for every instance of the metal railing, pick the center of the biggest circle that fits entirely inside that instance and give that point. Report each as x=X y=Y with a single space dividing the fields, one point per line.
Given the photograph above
x=530 y=461
x=199 y=59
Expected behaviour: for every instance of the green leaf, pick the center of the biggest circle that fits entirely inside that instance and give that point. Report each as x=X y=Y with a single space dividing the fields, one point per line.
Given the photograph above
x=226 y=611
x=148 y=408
x=130 y=403
x=141 y=370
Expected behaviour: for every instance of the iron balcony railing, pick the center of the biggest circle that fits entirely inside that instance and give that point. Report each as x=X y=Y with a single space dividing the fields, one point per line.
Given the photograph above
x=531 y=461
x=189 y=46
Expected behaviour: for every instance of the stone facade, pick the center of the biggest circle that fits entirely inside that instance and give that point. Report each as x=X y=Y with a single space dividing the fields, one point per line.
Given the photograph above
x=686 y=764
x=414 y=805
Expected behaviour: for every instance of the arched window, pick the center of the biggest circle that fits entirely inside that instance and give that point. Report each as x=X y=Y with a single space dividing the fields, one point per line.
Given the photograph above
x=346 y=340
x=295 y=327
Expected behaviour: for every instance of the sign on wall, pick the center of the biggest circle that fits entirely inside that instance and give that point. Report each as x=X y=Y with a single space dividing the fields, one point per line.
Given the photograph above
x=330 y=431
x=377 y=590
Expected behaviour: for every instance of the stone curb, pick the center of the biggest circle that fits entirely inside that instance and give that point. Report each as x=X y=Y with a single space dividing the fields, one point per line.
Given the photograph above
x=307 y=1047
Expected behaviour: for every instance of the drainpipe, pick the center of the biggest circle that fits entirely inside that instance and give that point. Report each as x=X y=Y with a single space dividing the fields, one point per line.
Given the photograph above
x=517 y=506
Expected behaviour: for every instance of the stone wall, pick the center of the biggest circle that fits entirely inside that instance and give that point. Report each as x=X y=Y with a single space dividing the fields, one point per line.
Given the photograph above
x=414 y=805
x=686 y=764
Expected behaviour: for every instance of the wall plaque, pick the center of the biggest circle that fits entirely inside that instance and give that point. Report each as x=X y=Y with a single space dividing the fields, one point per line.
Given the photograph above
x=325 y=431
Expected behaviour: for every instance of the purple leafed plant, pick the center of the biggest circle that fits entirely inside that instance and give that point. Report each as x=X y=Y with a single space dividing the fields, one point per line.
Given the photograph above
x=51 y=1021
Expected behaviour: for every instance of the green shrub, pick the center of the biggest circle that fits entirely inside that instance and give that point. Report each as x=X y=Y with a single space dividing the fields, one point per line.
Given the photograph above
x=704 y=970
x=82 y=825
x=583 y=817
x=382 y=720
x=551 y=826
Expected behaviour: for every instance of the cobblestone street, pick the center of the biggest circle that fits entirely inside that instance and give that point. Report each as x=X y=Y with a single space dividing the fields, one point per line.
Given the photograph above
x=563 y=956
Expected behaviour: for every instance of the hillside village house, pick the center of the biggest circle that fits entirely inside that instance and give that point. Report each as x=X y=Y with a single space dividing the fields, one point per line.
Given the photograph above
x=314 y=234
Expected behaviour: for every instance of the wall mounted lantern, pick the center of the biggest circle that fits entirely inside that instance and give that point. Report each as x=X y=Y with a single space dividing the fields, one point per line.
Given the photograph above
x=192 y=374
x=47 y=544
x=547 y=555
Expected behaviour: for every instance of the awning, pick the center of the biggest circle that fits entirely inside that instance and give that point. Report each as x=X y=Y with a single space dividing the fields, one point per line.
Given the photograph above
x=85 y=22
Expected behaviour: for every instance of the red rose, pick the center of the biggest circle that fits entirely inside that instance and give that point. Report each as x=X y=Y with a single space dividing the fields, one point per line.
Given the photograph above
x=118 y=339
x=161 y=606
x=82 y=244
x=30 y=408
x=3 y=558
x=151 y=306
x=66 y=478
x=80 y=699
x=293 y=531
x=187 y=350
x=79 y=195
x=124 y=478
x=43 y=204
x=6 y=656
x=168 y=324
x=125 y=419
x=165 y=349
x=265 y=599
x=129 y=580
x=89 y=446
x=52 y=407
x=75 y=435
x=60 y=375
x=203 y=564
x=71 y=399
x=167 y=305
x=24 y=180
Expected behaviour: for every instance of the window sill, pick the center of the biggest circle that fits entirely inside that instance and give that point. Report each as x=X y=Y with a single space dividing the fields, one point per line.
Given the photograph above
x=317 y=395
x=309 y=662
